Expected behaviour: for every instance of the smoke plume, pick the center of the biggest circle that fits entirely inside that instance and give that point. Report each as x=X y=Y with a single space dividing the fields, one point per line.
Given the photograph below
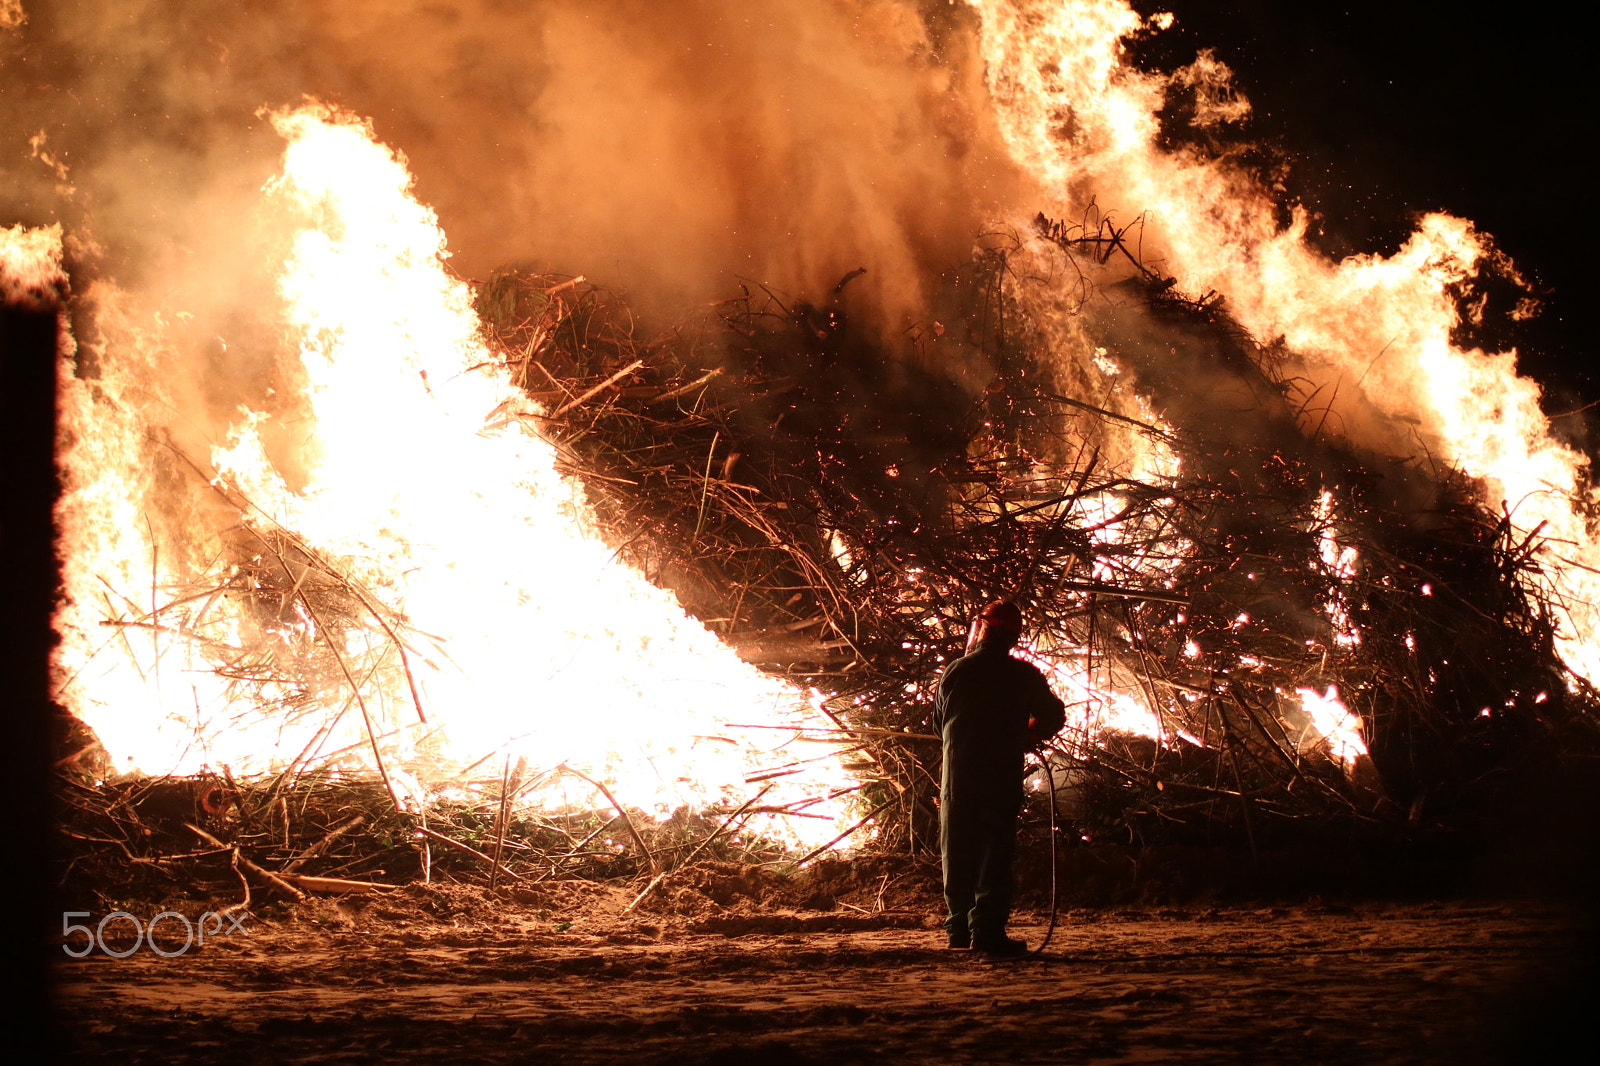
x=667 y=149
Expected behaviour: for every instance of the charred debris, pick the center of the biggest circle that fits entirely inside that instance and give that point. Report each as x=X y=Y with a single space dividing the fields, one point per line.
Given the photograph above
x=1171 y=507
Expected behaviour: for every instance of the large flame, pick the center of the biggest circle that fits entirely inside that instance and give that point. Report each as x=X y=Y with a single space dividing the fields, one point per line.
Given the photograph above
x=525 y=637
x=1085 y=124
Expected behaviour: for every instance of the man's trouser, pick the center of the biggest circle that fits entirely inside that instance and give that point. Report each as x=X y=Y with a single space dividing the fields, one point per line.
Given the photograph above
x=977 y=840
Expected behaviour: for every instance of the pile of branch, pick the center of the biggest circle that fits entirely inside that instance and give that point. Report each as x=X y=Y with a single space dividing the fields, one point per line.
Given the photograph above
x=837 y=510
x=289 y=836
x=1191 y=548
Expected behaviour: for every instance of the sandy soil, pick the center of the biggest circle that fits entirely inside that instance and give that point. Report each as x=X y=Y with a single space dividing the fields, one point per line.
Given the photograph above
x=429 y=974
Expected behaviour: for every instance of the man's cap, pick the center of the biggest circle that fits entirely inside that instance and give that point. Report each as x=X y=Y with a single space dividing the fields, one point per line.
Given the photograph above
x=1002 y=615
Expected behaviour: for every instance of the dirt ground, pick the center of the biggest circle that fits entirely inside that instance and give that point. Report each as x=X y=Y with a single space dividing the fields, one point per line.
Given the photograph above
x=722 y=971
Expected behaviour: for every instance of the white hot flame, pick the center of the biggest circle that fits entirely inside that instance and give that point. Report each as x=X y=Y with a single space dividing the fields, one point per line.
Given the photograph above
x=1333 y=724
x=525 y=636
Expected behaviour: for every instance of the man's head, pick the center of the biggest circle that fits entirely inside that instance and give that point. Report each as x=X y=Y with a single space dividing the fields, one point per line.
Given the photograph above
x=998 y=623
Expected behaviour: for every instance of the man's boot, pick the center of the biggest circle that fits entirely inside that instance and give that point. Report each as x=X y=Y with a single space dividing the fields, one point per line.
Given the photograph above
x=998 y=944
x=960 y=936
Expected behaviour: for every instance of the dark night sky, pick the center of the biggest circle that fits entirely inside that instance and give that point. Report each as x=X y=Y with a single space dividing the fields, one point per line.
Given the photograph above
x=1388 y=110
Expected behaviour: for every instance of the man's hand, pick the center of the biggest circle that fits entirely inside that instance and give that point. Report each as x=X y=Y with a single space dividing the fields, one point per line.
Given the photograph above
x=1048 y=717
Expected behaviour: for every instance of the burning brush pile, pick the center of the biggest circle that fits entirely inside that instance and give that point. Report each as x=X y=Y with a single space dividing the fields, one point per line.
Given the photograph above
x=1262 y=632
x=373 y=574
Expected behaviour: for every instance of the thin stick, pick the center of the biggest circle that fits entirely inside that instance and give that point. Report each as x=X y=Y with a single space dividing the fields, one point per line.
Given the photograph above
x=244 y=904
x=818 y=851
x=580 y=845
x=1154 y=431
x=570 y=283
x=366 y=716
x=155 y=639
x=833 y=729
x=695 y=384
x=474 y=852
x=338 y=884
x=705 y=486
x=355 y=689
x=267 y=875
x=607 y=383
x=650 y=860
x=427 y=852
x=361 y=594
x=322 y=845
x=500 y=823
x=1125 y=593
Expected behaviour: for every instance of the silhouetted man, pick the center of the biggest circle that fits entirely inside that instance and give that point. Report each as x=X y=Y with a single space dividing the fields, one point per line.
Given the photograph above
x=990 y=709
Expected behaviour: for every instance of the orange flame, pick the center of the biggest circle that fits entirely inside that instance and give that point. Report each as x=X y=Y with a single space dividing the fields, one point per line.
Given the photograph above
x=545 y=647
x=1333 y=724
x=1084 y=124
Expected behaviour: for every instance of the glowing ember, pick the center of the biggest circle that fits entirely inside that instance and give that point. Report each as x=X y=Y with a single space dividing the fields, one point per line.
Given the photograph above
x=1333 y=724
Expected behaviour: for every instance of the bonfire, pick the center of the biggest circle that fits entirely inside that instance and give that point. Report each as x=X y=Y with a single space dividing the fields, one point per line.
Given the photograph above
x=500 y=579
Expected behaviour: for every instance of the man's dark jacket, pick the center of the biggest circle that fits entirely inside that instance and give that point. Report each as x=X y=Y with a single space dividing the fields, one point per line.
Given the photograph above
x=981 y=710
